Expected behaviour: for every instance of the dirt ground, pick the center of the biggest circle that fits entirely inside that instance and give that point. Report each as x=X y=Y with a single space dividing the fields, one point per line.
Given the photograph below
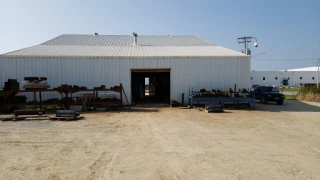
x=271 y=142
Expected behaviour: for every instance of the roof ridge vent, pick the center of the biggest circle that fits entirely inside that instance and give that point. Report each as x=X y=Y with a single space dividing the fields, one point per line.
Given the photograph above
x=96 y=34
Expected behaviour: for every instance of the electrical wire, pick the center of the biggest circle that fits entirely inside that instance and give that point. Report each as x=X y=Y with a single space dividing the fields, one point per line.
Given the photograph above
x=288 y=59
x=291 y=51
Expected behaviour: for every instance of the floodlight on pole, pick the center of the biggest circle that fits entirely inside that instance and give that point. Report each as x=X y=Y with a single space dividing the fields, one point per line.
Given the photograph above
x=246 y=40
x=318 y=64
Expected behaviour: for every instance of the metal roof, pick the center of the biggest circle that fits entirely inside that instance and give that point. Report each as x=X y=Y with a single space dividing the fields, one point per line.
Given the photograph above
x=314 y=68
x=126 y=40
x=118 y=46
x=125 y=51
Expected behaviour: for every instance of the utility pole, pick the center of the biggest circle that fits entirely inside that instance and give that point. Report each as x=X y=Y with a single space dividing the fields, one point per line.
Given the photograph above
x=246 y=40
x=318 y=64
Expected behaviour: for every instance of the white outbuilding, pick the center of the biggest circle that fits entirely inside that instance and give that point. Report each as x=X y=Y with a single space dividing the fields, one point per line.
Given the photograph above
x=173 y=64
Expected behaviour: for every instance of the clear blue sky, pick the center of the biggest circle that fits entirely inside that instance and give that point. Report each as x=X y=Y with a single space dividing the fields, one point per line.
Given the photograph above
x=288 y=31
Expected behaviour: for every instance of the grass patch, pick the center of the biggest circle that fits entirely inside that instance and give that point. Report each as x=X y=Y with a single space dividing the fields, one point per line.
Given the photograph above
x=289 y=90
x=309 y=97
x=310 y=93
x=291 y=97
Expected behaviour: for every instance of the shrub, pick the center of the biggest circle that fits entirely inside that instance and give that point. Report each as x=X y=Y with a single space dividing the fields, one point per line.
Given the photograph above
x=309 y=93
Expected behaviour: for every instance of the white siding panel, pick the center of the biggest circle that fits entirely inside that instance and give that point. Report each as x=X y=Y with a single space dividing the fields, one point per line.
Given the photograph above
x=186 y=74
x=83 y=74
x=10 y=70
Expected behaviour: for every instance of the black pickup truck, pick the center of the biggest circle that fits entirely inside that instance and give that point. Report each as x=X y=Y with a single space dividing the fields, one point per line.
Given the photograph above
x=268 y=93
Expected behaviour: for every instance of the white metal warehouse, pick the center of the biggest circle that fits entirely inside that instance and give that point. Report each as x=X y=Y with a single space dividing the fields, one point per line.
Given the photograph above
x=93 y=60
x=291 y=77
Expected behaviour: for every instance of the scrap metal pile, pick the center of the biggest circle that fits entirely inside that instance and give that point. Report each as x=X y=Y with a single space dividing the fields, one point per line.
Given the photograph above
x=35 y=83
x=66 y=87
x=103 y=87
x=201 y=92
x=71 y=95
x=13 y=85
x=62 y=115
x=215 y=97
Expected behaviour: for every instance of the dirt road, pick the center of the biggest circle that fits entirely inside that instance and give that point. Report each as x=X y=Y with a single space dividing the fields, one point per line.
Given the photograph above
x=271 y=142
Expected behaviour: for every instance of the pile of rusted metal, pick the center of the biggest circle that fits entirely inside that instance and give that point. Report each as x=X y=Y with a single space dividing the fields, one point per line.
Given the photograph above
x=26 y=115
x=70 y=95
x=63 y=115
x=229 y=92
x=16 y=99
x=11 y=85
x=101 y=87
x=115 y=87
x=216 y=99
x=70 y=87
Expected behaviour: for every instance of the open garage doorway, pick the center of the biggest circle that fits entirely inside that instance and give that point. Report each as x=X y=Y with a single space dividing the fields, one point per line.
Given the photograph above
x=150 y=86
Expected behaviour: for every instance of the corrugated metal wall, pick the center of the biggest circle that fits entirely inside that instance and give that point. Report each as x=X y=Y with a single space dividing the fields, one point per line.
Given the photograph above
x=185 y=73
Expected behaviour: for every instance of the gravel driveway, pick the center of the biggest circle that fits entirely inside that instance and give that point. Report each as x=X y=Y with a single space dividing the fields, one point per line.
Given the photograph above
x=271 y=142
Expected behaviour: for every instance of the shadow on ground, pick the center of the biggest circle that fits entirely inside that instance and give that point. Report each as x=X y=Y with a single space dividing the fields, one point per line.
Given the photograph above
x=142 y=110
x=288 y=106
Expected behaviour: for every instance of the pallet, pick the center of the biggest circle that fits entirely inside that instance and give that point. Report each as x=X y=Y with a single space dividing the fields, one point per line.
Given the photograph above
x=55 y=118
x=12 y=118
x=19 y=118
x=29 y=112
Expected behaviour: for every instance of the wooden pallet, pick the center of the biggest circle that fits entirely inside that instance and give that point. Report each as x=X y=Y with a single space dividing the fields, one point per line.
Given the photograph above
x=29 y=112
x=19 y=118
x=55 y=118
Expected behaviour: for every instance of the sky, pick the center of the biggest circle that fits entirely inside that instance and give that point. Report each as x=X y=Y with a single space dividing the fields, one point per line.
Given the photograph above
x=288 y=31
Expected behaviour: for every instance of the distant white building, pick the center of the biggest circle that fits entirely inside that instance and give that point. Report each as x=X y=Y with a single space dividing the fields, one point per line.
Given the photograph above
x=291 y=77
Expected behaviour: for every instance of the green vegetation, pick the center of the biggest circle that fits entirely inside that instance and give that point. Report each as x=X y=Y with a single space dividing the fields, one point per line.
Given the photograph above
x=310 y=89
x=291 y=97
x=309 y=93
x=289 y=89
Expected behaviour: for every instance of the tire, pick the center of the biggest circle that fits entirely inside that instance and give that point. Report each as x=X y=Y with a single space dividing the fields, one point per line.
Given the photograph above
x=280 y=102
x=31 y=79
x=263 y=100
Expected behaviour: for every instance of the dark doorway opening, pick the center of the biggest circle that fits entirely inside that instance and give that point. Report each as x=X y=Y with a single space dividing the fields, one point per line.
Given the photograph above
x=150 y=86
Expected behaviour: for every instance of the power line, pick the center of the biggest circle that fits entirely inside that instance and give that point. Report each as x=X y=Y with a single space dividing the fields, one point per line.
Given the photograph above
x=318 y=65
x=285 y=59
x=291 y=51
